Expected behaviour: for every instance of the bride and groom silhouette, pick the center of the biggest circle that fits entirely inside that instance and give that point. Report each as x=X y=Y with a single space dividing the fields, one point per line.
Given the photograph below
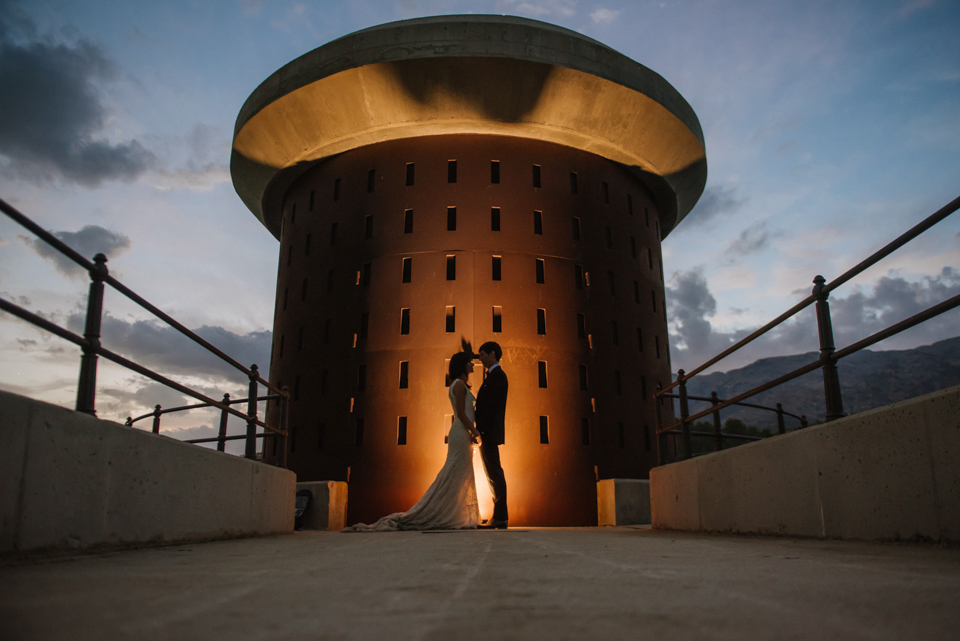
x=451 y=500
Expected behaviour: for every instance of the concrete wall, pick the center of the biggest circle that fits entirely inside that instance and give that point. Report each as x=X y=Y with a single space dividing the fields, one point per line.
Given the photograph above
x=73 y=481
x=887 y=474
x=623 y=502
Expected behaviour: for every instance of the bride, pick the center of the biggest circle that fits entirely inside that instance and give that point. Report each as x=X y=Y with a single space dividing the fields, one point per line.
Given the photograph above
x=451 y=501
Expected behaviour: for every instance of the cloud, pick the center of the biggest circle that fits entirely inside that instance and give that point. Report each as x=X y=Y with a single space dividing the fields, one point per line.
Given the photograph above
x=604 y=16
x=561 y=8
x=51 y=111
x=717 y=200
x=89 y=241
x=164 y=349
x=690 y=306
x=751 y=240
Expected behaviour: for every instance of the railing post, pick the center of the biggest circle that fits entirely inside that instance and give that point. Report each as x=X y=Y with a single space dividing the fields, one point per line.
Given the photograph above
x=284 y=428
x=803 y=420
x=661 y=450
x=87 y=386
x=251 y=449
x=781 y=428
x=156 y=419
x=684 y=413
x=224 y=415
x=717 y=434
x=831 y=378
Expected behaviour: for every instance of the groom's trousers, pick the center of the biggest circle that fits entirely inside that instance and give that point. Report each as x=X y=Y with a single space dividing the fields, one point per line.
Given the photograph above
x=490 y=455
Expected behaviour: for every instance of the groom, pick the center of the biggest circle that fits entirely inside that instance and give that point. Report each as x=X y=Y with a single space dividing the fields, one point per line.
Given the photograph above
x=490 y=408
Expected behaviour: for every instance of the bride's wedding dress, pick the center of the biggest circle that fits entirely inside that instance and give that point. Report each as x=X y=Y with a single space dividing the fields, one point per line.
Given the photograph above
x=451 y=501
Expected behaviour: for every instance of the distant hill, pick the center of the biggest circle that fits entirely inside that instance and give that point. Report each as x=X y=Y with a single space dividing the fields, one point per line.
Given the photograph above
x=867 y=380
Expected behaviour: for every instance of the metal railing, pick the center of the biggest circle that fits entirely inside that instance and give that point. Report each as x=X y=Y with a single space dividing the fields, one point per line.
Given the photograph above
x=829 y=355
x=91 y=348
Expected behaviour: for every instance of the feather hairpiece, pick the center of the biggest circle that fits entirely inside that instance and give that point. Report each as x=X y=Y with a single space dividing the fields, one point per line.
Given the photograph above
x=467 y=347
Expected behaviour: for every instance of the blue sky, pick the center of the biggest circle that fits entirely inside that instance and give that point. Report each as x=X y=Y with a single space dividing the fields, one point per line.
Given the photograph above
x=830 y=127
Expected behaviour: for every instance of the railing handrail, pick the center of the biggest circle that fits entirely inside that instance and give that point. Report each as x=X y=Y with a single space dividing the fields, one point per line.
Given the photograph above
x=171 y=410
x=76 y=257
x=707 y=399
x=825 y=289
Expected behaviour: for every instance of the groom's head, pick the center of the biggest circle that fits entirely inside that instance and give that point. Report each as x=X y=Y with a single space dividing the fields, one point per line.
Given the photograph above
x=489 y=354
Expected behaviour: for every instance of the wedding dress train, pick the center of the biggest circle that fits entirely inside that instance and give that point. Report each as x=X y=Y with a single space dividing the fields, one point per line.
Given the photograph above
x=451 y=501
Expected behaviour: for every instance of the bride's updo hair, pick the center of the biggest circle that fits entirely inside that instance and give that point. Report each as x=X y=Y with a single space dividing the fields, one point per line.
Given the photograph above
x=458 y=362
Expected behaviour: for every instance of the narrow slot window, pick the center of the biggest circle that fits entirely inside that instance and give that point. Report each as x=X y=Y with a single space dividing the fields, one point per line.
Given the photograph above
x=583 y=377
x=585 y=431
x=653 y=300
x=606 y=194
x=303 y=290
x=497 y=319
x=646 y=437
x=336 y=189
x=574 y=186
x=536 y=176
x=306 y=245
x=538 y=223
x=540 y=271
x=544 y=431
x=280 y=351
x=312 y=193
x=368 y=227
x=636 y=292
x=614 y=334
x=410 y=174
x=446 y=372
x=365 y=275
x=289 y=254
x=494 y=219
x=358 y=433
x=576 y=228
x=361 y=378
x=407 y=221
x=621 y=435
x=578 y=276
x=364 y=324
x=451 y=319
x=650 y=257
x=401 y=430
x=451 y=268
x=406 y=269
x=617 y=383
x=494 y=172
x=541 y=322
x=542 y=374
x=333 y=234
x=300 y=339
x=451 y=171
x=371 y=181
x=451 y=219
x=633 y=247
x=496 y=268
x=404 y=374
x=656 y=342
x=609 y=234
x=405 y=321
x=581 y=326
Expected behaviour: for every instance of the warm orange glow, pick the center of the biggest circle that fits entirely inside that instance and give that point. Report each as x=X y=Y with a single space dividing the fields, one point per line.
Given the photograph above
x=483 y=488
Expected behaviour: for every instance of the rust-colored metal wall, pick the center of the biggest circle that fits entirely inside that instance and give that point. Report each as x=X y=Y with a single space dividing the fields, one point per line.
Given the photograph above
x=340 y=295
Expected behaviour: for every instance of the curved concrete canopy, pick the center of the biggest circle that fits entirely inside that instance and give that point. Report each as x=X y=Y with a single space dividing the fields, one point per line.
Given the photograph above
x=467 y=74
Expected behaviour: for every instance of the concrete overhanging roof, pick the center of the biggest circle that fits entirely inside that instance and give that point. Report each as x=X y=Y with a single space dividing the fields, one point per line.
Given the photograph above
x=473 y=74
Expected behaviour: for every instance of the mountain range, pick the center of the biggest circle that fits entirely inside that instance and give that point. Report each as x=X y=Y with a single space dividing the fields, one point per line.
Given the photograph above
x=868 y=379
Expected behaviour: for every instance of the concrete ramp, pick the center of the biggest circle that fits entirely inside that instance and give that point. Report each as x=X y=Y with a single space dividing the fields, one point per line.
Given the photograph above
x=71 y=481
x=888 y=474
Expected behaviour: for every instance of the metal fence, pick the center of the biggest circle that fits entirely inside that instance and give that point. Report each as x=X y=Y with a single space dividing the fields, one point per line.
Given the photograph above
x=91 y=348
x=829 y=355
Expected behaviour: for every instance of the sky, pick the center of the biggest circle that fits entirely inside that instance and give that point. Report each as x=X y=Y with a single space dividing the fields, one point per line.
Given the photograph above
x=831 y=127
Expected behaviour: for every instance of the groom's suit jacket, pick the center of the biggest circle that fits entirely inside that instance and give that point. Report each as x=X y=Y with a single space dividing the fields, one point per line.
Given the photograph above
x=491 y=406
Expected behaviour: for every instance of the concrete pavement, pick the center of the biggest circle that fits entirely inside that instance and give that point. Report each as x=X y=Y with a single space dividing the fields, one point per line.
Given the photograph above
x=624 y=582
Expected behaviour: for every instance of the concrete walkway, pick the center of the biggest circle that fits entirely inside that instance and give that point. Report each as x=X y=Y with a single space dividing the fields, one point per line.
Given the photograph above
x=592 y=583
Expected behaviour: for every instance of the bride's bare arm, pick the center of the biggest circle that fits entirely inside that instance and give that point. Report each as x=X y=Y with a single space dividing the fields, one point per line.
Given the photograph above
x=460 y=398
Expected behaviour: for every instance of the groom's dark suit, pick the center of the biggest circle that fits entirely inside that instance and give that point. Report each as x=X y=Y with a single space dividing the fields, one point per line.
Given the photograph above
x=489 y=412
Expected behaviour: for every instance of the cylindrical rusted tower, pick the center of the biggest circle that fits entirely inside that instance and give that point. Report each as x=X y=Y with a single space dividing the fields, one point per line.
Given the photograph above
x=479 y=176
